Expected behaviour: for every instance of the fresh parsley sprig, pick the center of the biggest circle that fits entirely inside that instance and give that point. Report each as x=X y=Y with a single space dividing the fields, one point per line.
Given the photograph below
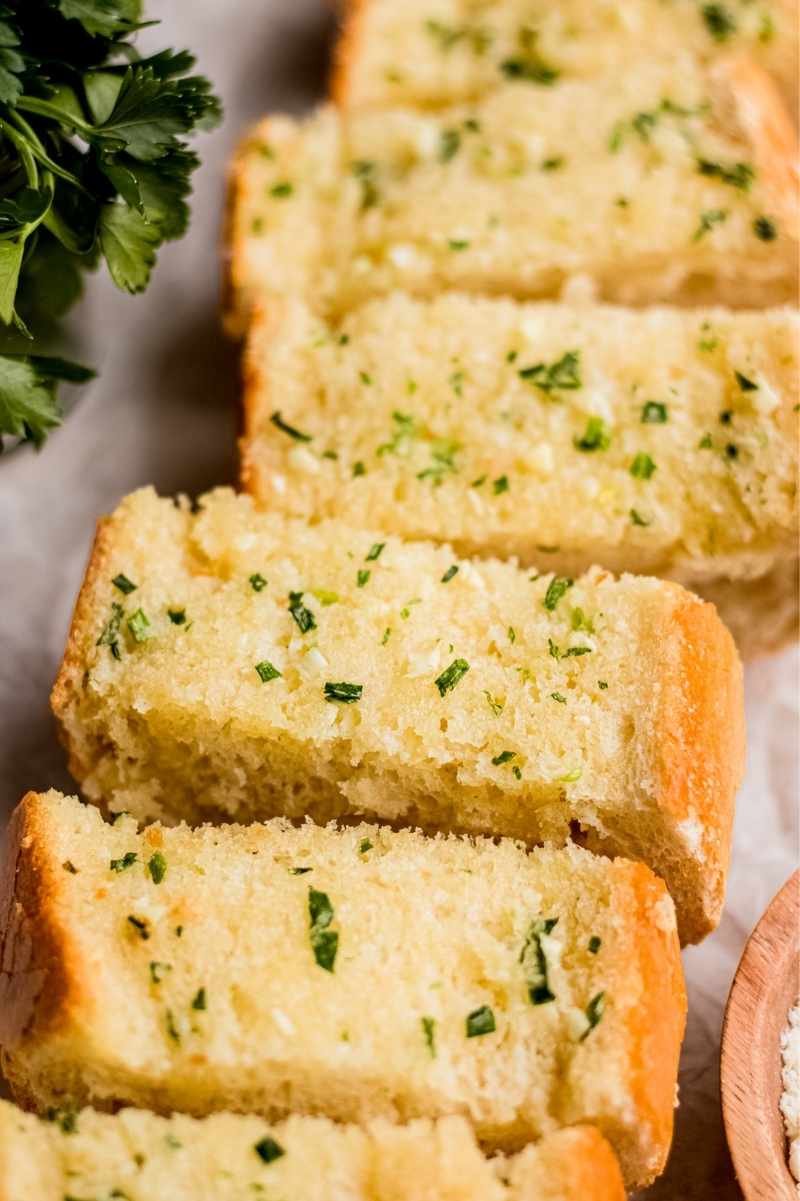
x=94 y=165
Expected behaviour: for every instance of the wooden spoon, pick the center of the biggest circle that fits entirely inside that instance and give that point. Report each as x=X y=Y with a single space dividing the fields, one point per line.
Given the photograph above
x=765 y=988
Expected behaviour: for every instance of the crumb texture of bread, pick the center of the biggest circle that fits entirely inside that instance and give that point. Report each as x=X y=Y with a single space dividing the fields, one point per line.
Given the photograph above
x=226 y=967
x=437 y=52
x=235 y=663
x=663 y=183
x=672 y=434
x=139 y=1156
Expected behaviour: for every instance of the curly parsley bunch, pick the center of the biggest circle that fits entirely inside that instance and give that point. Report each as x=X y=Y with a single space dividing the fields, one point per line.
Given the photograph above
x=94 y=165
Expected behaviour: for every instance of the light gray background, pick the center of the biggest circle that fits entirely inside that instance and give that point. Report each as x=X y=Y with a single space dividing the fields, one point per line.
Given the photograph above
x=164 y=412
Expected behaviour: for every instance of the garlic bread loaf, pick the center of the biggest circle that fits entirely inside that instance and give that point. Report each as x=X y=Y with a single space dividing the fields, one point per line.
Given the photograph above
x=661 y=183
x=235 y=663
x=229 y=968
x=141 y=1156
x=438 y=52
x=658 y=441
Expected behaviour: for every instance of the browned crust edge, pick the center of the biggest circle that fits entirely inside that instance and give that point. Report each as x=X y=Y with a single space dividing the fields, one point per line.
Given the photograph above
x=757 y=107
x=253 y=396
x=234 y=307
x=70 y=673
x=657 y=1022
x=701 y=753
x=578 y=1161
x=39 y=976
x=351 y=32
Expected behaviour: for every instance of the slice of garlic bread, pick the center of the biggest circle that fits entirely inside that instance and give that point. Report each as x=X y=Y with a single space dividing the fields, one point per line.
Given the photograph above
x=236 y=663
x=658 y=441
x=438 y=52
x=356 y=973
x=655 y=184
x=139 y=1156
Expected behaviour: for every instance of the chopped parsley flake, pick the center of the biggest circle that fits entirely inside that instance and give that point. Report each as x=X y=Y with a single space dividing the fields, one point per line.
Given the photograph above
x=159 y=970
x=177 y=616
x=480 y=1021
x=268 y=1150
x=708 y=220
x=594 y=437
x=125 y=585
x=552 y=164
x=449 y=144
x=637 y=518
x=374 y=552
x=140 y=925
x=257 y=582
x=443 y=455
x=765 y=229
x=359 y=469
x=503 y=757
x=285 y=428
x=595 y=944
x=555 y=590
x=594 y=1012
x=70 y=867
x=530 y=69
x=365 y=171
x=139 y=626
x=602 y=685
x=448 y=575
x=558 y=696
x=267 y=671
x=157 y=867
x=303 y=617
x=172 y=1029
x=324 y=941
x=563 y=375
x=121 y=865
x=387 y=633
x=345 y=694
x=110 y=634
x=364 y=846
x=746 y=385
x=642 y=466
x=737 y=175
x=299 y=871
x=534 y=962
x=654 y=413
x=457 y=244
x=282 y=189
x=447 y=681
x=200 y=1000
x=719 y=21
x=494 y=704
x=572 y=652
x=500 y=485
x=362 y=577
x=429 y=1034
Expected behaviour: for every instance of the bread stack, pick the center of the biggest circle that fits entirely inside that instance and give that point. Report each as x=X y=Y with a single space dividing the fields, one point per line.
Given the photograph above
x=410 y=768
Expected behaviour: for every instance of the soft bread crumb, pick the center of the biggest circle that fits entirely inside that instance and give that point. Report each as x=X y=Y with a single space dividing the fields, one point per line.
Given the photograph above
x=146 y=968
x=672 y=183
x=435 y=52
x=320 y=670
x=428 y=414
x=140 y=1156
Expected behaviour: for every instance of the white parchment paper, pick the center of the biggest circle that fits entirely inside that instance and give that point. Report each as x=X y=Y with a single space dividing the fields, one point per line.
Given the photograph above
x=163 y=411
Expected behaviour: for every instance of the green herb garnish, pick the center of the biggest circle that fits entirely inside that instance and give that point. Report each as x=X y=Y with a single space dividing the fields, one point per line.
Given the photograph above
x=285 y=428
x=110 y=634
x=448 y=575
x=737 y=175
x=719 y=21
x=324 y=941
x=637 y=518
x=594 y=437
x=303 y=617
x=267 y=671
x=594 y=1012
x=257 y=582
x=177 y=616
x=121 y=865
x=561 y=376
x=200 y=1000
x=746 y=385
x=654 y=413
x=125 y=585
x=268 y=1150
x=765 y=229
x=139 y=626
x=503 y=757
x=140 y=925
x=374 y=552
x=555 y=590
x=451 y=676
x=157 y=867
x=642 y=466
x=534 y=961
x=595 y=944
x=345 y=694
x=480 y=1021
x=429 y=1034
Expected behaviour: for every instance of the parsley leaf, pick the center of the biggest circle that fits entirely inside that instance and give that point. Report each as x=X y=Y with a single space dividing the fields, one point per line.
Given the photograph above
x=28 y=405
